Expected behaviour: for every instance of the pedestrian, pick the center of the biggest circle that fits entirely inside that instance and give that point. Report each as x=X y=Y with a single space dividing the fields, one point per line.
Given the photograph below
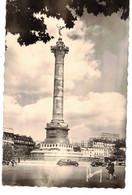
x=18 y=160
x=111 y=170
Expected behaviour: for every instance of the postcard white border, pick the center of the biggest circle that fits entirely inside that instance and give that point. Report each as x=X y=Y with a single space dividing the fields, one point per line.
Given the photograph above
x=44 y=190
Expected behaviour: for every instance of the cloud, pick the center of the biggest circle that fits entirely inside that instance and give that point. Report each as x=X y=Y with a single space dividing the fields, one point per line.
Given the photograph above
x=111 y=105
x=87 y=115
x=93 y=100
x=79 y=64
x=39 y=111
x=26 y=68
x=96 y=112
x=109 y=36
x=30 y=70
x=28 y=120
x=106 y=32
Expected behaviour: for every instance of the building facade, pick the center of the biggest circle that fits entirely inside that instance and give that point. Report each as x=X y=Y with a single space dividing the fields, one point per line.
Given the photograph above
x=8 y=136
x=97 y=148
x=21 y=145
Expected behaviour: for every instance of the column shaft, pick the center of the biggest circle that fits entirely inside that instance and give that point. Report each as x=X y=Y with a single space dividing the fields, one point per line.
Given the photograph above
x=58 y=88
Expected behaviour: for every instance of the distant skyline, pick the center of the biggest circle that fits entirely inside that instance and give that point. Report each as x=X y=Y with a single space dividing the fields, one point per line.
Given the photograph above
x=95 y=79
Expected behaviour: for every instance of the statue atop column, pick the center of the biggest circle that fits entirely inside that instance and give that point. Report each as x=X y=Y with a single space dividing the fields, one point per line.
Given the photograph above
x=60 y=28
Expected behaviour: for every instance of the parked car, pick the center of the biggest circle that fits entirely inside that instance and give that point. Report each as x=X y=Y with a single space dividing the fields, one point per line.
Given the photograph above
x=98 y=163
x=9 y=162
x=67 y=162
x=121 y=162
x=5 y=162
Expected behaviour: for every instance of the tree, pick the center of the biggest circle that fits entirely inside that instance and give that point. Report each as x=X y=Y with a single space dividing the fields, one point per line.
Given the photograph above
x=21 y=19
x=7 y=152
x=118 y=152
x=22 y=150
x=77 y=149
x=120 y=143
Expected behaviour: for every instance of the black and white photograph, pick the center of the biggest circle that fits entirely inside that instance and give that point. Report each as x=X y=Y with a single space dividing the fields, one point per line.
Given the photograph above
x=65 y=93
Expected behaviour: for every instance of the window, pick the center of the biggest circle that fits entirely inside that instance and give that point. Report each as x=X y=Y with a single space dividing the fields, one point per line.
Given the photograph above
x=52 y=136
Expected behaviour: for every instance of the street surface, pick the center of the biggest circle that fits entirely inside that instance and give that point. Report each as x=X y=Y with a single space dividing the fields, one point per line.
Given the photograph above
x=51 y=175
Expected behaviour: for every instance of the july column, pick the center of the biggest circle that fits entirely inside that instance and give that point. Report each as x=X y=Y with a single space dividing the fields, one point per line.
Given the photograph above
x=59 y=51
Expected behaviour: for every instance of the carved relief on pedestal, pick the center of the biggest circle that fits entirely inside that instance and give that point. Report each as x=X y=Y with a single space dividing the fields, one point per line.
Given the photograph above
x=57 y=133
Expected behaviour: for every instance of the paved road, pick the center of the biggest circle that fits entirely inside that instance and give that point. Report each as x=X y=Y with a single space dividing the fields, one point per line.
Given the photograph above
x=52 y=175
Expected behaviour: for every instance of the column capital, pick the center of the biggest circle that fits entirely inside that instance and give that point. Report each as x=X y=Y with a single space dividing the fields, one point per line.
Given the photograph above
x=60 y=47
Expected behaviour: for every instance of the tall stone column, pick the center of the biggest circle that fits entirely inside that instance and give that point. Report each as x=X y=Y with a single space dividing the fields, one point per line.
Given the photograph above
x=57 y=130
x=59 y=51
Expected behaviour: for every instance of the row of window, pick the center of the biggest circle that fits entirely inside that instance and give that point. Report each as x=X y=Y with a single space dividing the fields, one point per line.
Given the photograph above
x=99 y=149
x=18 y=141
x=102 y=147
x=8 y=138
x=56 y=145
x=24 y=142
x=99 y=143
x=37 y=154
x=23 y=139
x=16 y=137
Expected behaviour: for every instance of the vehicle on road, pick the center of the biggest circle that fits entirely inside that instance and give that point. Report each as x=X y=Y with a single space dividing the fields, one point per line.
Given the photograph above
x=121 y=162
x=98 y=163
x=66 y=162
x=9 y=162
x=5 y=162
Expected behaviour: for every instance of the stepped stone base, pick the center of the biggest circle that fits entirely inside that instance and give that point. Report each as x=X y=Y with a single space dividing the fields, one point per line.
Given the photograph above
x=57 y=133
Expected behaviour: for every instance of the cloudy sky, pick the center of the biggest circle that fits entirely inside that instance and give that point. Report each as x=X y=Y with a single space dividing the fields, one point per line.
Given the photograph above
x=95 y=79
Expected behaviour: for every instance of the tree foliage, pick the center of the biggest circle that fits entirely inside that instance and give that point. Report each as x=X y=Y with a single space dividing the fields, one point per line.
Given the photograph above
x=120 y=143
x=77 y=149
x=7 y=152
x=20 y=17
x=118 y=152
x=21 y=150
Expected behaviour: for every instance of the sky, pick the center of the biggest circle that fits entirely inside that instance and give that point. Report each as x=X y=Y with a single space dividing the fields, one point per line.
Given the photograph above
x=95 y=79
